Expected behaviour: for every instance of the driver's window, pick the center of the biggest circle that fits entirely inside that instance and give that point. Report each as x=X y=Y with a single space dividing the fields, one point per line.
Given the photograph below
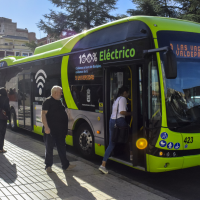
x=154 y=101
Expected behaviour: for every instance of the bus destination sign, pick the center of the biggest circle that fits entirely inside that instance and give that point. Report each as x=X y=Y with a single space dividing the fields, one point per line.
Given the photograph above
x=186 y=49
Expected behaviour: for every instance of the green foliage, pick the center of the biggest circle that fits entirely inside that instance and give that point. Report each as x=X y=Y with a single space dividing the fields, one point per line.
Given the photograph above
x=190 y=10
x=164 y=8
x=77 y=15
x=182 y=9
x=32 y=45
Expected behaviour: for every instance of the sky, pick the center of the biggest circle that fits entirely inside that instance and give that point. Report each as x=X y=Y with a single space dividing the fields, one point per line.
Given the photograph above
x=27 y=13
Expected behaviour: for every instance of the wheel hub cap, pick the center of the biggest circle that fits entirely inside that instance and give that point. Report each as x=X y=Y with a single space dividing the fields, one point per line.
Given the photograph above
x=85 y=140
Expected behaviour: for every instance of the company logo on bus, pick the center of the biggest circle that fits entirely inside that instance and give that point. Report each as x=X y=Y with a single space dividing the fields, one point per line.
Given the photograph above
x=40 y=80
x=89 y=58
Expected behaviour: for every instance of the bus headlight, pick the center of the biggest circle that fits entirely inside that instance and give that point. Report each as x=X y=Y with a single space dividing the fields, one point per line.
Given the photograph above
x=141 y=143
x=161 y=153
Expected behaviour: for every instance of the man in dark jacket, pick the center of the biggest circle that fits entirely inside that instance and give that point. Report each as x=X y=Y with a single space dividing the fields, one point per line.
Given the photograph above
x=5 y=110
x=55 y=121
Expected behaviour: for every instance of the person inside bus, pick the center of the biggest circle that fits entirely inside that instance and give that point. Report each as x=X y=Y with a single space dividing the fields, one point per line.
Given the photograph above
x=55 y=128
x=189 y=101
x=121 y=99
x=5 y=111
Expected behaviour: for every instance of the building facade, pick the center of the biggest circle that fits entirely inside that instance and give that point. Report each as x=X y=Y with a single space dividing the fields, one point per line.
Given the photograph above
x=13 y=40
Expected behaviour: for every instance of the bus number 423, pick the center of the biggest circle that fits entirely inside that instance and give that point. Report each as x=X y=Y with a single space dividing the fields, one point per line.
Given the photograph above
x=188 y=140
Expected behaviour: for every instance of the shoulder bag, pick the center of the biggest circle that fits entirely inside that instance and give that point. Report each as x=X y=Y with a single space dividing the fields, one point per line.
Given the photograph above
x=120 y=134
x=3 y=115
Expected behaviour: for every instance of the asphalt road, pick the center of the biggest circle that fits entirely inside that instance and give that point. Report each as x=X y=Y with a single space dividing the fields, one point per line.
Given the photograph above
x=182 y=184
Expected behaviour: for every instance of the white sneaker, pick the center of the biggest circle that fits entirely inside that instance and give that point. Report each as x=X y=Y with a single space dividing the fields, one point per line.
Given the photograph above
x=131 y=157
x=103 y=169
x=49 y=170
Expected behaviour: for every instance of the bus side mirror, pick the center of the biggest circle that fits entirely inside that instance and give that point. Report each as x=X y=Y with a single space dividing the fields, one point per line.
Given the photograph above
x=170 y=64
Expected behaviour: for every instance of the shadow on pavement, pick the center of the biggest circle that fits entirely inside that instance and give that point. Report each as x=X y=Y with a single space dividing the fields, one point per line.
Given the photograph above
x=70 y=188
x=8 y=170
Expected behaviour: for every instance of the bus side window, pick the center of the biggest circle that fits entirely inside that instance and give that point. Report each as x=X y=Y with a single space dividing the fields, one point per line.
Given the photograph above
x=154 y=101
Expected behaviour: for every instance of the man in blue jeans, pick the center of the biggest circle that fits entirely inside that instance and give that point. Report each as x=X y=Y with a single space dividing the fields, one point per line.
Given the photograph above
x=55 y=121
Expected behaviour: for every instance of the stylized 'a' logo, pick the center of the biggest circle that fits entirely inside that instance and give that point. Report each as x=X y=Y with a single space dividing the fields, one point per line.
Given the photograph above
x=40 y=80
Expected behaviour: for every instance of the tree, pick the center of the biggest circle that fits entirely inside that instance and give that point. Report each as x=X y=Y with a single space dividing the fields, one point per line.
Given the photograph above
x=182 y=9
x=190 y=10
x=164 y=8
x=32 y=45
x=77 y=15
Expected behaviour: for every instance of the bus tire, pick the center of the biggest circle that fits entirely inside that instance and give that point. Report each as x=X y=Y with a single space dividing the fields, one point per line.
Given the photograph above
x=85 y=140
x=13 y=122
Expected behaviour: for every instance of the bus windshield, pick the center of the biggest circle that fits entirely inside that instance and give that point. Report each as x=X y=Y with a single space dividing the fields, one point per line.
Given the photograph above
x=182 y=94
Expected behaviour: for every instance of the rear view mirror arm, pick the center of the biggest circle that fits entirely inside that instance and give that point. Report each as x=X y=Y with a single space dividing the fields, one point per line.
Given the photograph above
x=167 y=48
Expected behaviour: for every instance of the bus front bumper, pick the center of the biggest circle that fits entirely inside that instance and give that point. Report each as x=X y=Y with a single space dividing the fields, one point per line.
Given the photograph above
x=159 y=164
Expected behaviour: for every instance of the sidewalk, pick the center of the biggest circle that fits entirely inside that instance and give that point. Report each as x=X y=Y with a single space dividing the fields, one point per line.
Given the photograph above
x=22 y=176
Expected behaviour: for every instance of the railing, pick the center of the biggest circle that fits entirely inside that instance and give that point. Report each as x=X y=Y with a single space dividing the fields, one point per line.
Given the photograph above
x=10 y=47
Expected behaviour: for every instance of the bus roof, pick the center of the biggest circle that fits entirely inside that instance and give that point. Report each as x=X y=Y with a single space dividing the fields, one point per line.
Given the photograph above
x=65 y=45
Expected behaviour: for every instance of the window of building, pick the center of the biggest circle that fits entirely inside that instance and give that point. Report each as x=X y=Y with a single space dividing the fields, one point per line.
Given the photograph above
x=30 y=54
x=24 y=54
x=17 y=54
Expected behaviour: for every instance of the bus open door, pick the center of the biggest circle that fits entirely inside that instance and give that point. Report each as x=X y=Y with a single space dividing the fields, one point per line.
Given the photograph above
x=130 y=76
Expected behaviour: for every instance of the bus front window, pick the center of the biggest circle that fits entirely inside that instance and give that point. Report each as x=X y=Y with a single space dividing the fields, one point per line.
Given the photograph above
x=182 y=94
x=183 y=98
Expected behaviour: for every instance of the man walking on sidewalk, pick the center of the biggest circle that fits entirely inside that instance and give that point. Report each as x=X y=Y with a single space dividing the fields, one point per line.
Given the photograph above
x=55 y=128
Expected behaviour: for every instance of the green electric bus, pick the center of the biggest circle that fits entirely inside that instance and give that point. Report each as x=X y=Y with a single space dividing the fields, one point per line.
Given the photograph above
x=157 y=58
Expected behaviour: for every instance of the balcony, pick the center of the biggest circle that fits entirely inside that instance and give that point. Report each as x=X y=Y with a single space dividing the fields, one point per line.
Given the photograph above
x=6 y=47
x=13 y=47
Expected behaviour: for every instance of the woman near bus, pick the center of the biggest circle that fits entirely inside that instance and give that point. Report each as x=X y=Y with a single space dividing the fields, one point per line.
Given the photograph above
x=120 y=105
x=4 y=115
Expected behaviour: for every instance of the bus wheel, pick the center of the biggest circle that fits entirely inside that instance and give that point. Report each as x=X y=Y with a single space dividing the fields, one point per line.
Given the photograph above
x=85 y=140
x=13 y=123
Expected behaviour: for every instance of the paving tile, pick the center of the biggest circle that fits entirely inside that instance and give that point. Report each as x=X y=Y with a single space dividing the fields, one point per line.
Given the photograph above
x=31 y=188
x=37 y=187
x=24 y=188
x=11 y=197
x=2 y=194
x=48 y=185
x=39 y=195
x=22 y=181
x=54 y=195
x=18 y=197
x=12 y=184
x=27 y=197
x=1 y=185
x=33 y=179
x=42 y=186
x=46 y=194
x=5 y=191
x=33 y=196
x=18 y=189
x=17 y=182
x=11 y=190
x=38 y=178
x=4 y=198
